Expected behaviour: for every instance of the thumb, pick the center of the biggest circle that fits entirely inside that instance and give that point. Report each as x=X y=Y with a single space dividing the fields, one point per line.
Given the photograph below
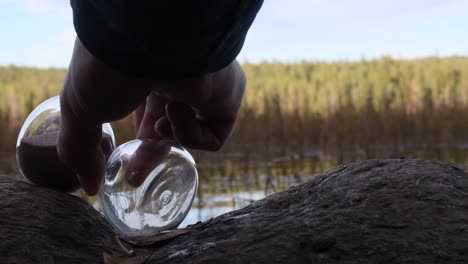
x=79 y=147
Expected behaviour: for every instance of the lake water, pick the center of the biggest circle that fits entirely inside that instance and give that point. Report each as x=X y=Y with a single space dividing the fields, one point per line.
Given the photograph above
x=218 y=204
x=227 y=184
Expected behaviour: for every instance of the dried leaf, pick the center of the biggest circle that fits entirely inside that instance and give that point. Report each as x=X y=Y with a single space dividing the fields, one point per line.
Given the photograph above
x=108 y=259
x=122 y=247
x=199 y=225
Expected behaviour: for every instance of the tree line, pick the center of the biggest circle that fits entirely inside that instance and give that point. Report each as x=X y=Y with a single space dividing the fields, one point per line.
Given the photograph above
x=305 y=111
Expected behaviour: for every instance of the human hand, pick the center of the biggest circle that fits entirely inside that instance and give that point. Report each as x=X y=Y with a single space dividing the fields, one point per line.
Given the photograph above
x=197 y=113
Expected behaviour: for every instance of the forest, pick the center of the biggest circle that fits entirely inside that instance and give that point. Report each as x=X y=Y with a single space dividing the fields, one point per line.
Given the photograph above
x=302 y=118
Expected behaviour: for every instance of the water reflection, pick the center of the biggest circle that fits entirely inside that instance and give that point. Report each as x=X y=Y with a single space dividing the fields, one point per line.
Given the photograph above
x=217 y=204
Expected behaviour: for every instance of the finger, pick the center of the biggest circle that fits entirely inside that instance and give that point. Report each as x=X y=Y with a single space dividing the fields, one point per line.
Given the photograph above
x=142 y=161
x=164 y=129
x=212 y=105
x=138 y=116
x=196 y=133
x=154 y=110
x=80 y=148
x=93 y=94
x=146 y=158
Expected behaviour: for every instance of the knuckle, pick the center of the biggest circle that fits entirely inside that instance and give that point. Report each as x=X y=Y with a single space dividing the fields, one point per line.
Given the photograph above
x=215 y=147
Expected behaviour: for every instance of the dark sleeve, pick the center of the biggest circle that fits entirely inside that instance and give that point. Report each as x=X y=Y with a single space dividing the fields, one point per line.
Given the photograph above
x=164 y=40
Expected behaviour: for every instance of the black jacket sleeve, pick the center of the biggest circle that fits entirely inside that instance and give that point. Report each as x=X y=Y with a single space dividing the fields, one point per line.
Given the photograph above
x=164 y=40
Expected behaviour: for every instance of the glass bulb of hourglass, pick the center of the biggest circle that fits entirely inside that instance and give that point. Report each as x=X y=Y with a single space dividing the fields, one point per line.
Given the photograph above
x=149 y=187
x=36 y=148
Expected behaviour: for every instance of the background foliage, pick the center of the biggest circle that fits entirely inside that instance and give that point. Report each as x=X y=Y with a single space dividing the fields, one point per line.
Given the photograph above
x=308 y=116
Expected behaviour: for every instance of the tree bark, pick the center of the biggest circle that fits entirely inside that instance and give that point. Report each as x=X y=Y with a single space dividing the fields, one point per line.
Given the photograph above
x=375 y=211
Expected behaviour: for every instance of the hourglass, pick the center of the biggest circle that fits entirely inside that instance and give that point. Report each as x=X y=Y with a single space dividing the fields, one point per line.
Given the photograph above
x=36 y=151
x=149 y=186
x=164 y=183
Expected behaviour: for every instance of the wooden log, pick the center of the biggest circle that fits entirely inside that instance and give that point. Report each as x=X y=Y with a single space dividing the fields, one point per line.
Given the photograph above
x=375 y=211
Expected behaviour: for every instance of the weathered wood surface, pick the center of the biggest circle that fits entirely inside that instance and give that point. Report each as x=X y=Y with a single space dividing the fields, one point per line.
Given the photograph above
x=376 y=211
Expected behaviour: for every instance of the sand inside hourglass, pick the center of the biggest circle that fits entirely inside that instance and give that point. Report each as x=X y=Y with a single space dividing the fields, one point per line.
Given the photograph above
x=45 y=168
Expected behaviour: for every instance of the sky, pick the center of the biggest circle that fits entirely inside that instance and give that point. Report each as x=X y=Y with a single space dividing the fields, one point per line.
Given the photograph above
x=40 y=32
